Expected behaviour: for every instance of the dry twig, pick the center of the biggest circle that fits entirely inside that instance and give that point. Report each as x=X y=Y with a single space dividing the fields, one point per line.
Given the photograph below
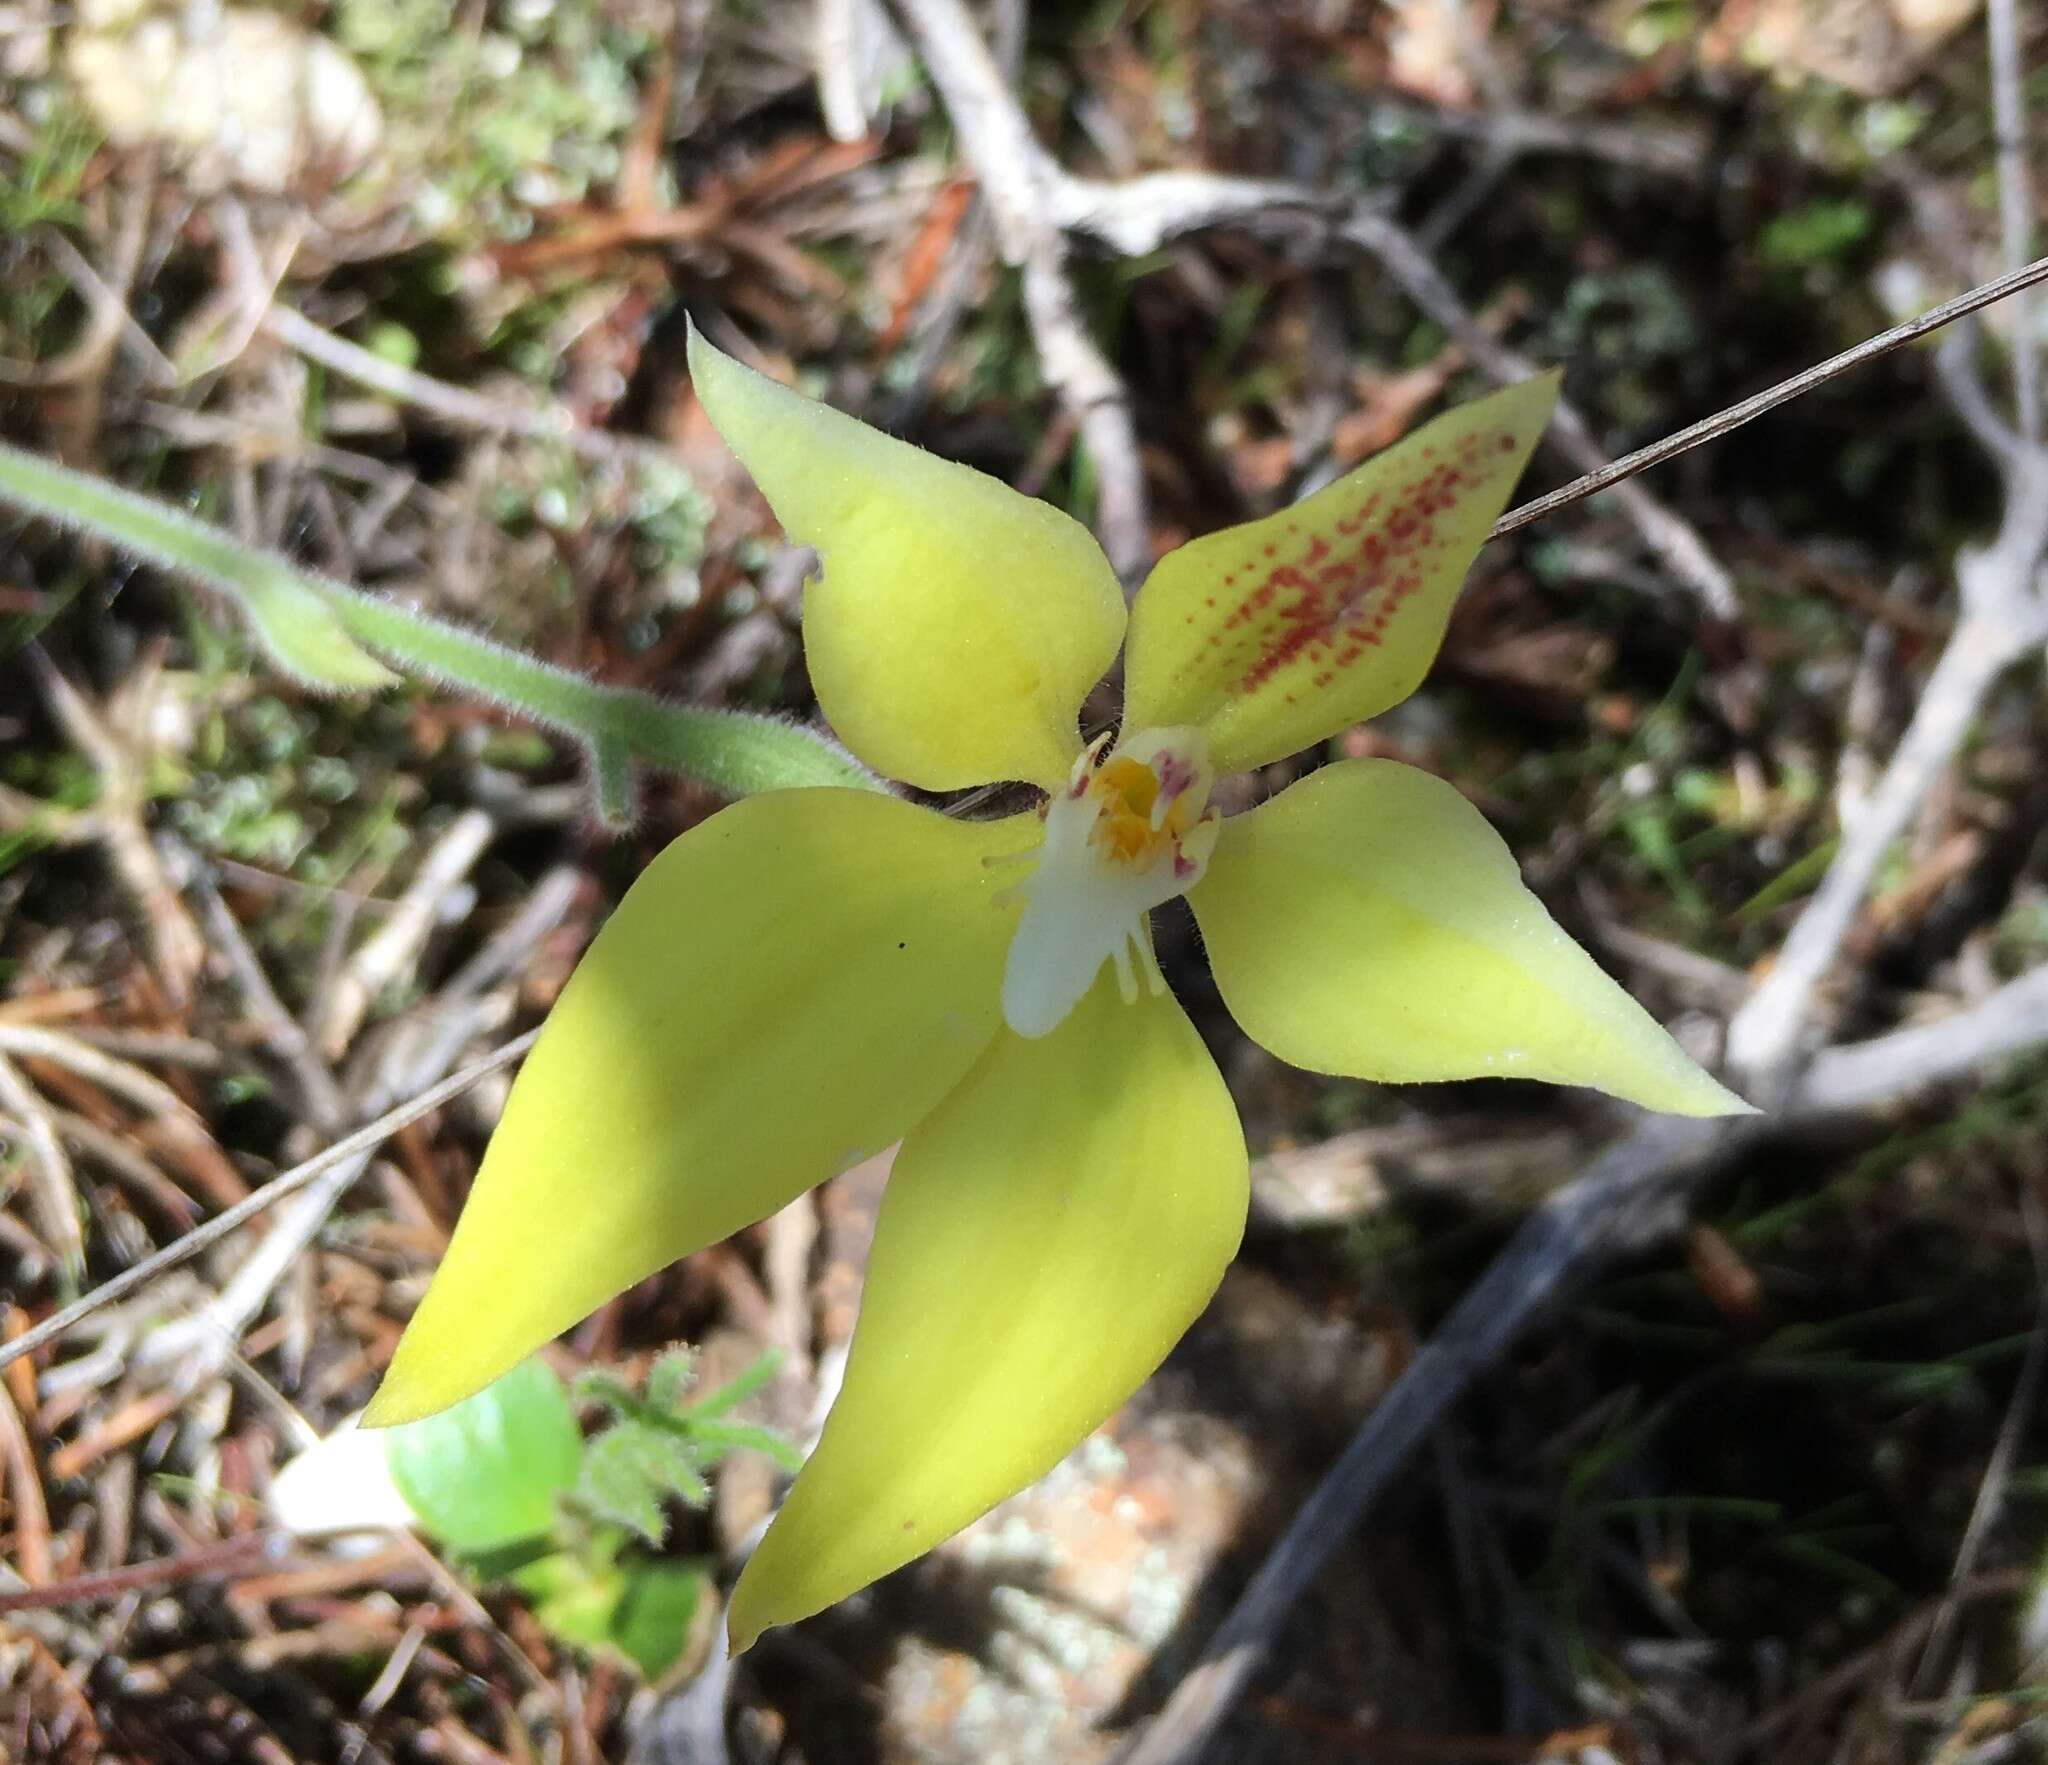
x=1637 y=1189
x=52 y=1187
x=1020 y=184
x=1630 y=1196
x=453 y=404
x=361 y=1143
x=384 y=958
x=116 y=819
x=2015 y=205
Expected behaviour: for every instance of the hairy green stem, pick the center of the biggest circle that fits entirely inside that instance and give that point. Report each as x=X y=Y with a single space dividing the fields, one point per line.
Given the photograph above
x=330 y=637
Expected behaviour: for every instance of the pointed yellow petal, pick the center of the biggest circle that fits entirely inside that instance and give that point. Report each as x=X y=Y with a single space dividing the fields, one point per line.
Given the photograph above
x=1044 y=1240
x=785 y=990
x=957 y=624
x=1275 y=635
x=1367 y=921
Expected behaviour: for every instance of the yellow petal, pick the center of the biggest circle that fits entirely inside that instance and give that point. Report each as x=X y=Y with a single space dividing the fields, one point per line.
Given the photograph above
x=1275 y=635
x=1044 y=1240
x=787 y=989
x=957 y=624
x=1367 y=921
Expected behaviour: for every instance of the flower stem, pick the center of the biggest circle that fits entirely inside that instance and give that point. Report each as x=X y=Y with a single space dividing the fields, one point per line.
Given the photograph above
x=331 y=637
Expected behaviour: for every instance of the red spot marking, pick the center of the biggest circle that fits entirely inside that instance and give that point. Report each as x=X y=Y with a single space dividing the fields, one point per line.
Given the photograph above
x=1506 y=444
x=1333 y=600
x=1209 y=600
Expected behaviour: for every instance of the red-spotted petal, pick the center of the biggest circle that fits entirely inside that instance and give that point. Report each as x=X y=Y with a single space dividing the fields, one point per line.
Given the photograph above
x=1273 y=636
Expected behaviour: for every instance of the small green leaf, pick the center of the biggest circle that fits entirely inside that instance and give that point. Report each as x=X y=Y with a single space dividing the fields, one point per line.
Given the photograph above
x=651 y=1623
x=635 y=1606
x=485 y=1474
x=670 y=1378
x=573 y=1596
x=628 y=1470
x=614 y=1487
x=714 y=1440
x=305 y=638
x=1814 y=233
x=743 y=1384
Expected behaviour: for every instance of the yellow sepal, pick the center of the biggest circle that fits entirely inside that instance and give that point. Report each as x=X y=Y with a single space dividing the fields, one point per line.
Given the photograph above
x=1044 y=1240
x=957 y=624
x=1367 y=921
x=785 y=991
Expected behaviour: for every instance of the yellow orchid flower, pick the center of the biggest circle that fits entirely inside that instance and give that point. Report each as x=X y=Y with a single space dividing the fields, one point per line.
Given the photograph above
x=810 y=976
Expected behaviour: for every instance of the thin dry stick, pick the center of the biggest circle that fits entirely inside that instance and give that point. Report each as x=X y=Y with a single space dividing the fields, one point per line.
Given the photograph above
x=1630 y=1195
x=23 y=1481
x=282 y=1033
x=455 y=404
x=106 y=300
x=53 y=1188
x=1141 y=214
x=2015 y=204
x=117 y=821
x=1016 y=176
x=1721 y=422
x=232 y=1557
x=125 y=1081
x=390 y=953
x=363 y=1141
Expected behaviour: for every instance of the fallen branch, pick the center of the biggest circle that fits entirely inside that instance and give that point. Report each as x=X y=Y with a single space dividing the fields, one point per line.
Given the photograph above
x=1629 y=1197
x=1020 y=183
x=2015 y=203
x=1142 y=214
x=454 y=404
x=361 y=1143
x=1636 y=1190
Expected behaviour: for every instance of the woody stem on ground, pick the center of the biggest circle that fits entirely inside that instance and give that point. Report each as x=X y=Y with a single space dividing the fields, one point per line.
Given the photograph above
x=1638 y=1188
x=2001 y=623
x=2003 y=592
x=1016 y=176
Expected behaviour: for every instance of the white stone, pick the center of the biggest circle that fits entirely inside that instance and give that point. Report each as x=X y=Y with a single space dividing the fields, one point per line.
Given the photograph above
x=243 y=98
